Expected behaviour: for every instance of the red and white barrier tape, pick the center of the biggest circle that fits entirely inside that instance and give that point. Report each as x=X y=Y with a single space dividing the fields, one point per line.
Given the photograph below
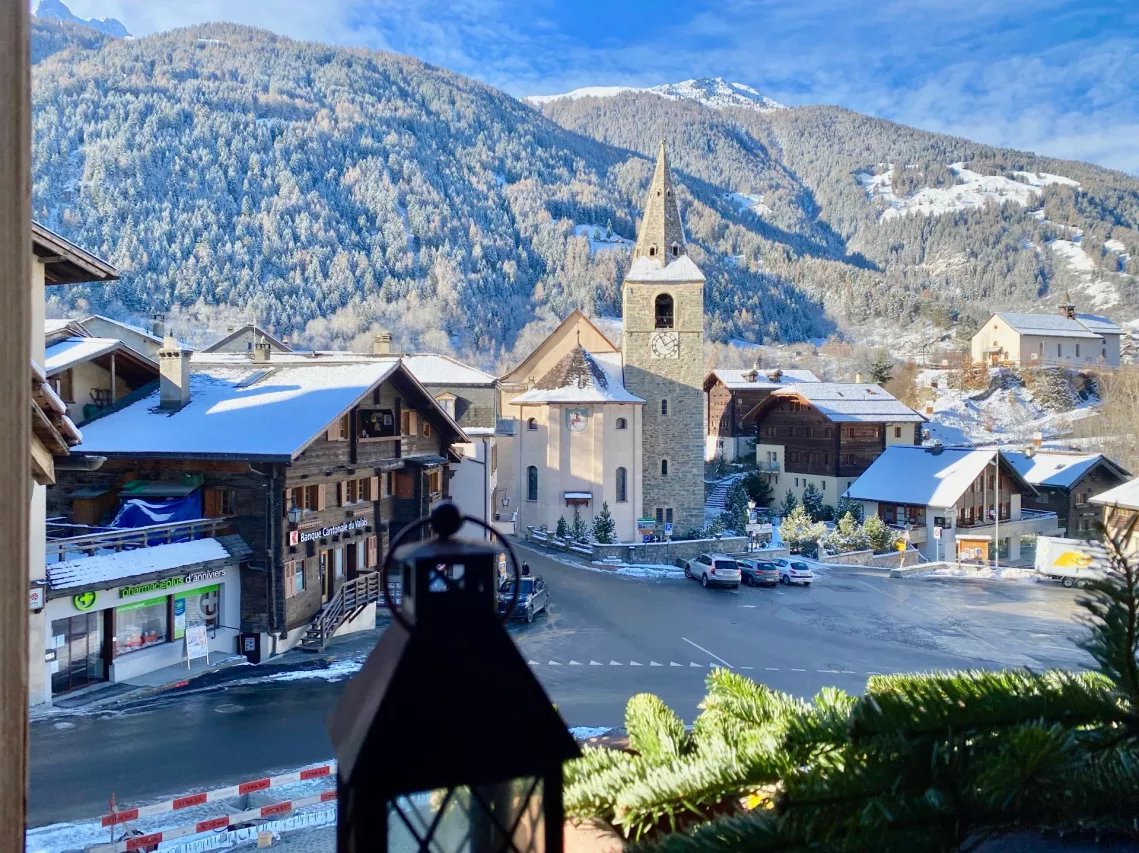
x=223 y=822
x=186 y=801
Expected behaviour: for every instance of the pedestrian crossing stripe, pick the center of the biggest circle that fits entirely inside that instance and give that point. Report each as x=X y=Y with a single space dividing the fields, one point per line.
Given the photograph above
x=614 y=663
x=654 y=663
x=595 y=663
x=674 y=663
x=633 y=663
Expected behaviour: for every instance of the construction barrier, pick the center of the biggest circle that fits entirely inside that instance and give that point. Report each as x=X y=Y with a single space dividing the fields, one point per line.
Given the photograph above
x=186 y=801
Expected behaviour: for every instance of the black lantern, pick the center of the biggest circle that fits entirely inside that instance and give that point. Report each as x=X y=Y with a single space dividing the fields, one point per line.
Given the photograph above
x=445 y=740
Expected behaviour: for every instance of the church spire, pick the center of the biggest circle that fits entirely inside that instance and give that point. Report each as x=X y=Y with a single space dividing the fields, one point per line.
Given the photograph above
x=661 y=235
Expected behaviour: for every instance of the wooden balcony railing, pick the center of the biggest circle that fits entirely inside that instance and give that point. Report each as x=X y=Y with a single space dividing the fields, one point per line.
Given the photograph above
x=127 y=538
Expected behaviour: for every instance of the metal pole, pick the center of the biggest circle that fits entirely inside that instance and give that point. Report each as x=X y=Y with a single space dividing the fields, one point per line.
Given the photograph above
x=15 y=414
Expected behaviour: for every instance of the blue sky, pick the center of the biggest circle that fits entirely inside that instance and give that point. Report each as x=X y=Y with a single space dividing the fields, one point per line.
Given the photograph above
x=1055 y=76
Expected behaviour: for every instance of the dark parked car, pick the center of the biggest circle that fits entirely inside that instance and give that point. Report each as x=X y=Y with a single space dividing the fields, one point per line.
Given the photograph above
x=758 y=572
x=533 y=597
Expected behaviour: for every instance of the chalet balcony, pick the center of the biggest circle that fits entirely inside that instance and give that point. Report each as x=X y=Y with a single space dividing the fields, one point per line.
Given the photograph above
x=767 y=467
x=72 y=541
x=1030 y=521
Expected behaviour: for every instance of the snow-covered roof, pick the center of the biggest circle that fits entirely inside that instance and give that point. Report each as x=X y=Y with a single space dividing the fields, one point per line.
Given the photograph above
x=55 y=325
x=1052 y=325
x=74 y=351
x=1059 y=470
x=677 y=270
x=737 y=380
x=842 y=402
x=919 y=476
x=579 y=496
x=1125 y=496
x=581 y=377
x=105 y=569
x=431 y=369
x=248 y=410
x=1100 y=325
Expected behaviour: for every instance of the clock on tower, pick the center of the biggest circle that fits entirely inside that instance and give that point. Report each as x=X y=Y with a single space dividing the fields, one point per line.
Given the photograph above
x=665 y=345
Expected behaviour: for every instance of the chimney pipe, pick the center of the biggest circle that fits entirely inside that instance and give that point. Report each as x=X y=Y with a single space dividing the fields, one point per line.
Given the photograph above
x=174 y=376
x=382 y=344
x=261 y=351
x=158 y=325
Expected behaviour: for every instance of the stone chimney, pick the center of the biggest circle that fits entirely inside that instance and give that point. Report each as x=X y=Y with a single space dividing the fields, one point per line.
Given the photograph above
x=174 y=376
x=382 y=344
x=158 y=326
x=261 y=351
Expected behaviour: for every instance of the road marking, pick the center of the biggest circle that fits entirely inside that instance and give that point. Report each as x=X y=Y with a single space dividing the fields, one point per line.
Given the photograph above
x=595 y=663
x=794 y=669
x=747 y=667
x=829 y=671
x=772 y=668
x=674 y=663
x=654 y=663
x=705 y=651
x=847 y=671
x=614 y=663
x=693 y=663
x=749 y=606
x=574 y=663
x=553 y=663
x=633 y=663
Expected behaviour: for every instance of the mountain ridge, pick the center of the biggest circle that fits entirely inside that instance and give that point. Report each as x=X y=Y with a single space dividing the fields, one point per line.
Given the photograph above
x=715 y=92
x=57 y=10
x=334 y=191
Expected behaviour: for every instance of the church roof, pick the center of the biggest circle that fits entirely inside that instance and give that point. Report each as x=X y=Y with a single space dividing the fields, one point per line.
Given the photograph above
x=661 y=251
x=581 y=377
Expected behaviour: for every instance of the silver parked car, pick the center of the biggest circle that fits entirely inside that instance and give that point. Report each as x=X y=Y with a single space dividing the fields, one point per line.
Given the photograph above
x=714 y=570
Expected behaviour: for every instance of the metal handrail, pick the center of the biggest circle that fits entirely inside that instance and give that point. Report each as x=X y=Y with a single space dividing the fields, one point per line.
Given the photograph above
x=121 y=539
x=349 y=597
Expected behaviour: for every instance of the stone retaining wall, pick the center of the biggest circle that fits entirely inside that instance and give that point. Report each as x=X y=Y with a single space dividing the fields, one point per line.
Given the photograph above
x=669 y=552
x=889 y=560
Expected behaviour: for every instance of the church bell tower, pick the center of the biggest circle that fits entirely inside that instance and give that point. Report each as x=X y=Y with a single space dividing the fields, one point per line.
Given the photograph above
x=662 y=350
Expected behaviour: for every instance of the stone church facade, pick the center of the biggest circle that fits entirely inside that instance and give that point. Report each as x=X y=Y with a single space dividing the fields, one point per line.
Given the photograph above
x=641 y=446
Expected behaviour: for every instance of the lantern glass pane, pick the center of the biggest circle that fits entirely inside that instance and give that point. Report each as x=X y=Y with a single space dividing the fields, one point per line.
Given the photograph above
x=506 y=817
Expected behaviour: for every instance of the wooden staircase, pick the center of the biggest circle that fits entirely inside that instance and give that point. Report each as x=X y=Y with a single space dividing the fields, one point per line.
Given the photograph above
x=351 y=598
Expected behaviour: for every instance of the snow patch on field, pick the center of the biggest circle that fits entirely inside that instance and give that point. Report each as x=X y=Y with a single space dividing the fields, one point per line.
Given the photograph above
x=974 y=191
x=1011 y=574
x=744 y=203
x=1103 y=293
x=598 y=242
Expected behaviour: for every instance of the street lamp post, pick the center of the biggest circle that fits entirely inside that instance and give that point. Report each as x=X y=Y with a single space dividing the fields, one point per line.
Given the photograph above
x=445 y=740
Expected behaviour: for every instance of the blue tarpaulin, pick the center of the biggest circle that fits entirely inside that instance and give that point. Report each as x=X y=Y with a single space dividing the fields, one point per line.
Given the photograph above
x=139 y=512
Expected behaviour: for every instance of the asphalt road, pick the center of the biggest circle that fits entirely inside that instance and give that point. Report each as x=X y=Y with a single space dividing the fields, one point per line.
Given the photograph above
x=605 y=638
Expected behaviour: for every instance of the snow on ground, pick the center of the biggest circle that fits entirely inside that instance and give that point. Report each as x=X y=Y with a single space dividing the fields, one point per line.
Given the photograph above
x=744 y=202
x=1103 y=293
x=715 y=92
x=598 y=242
x=586 y=732
x=1010 y=574
x=973 y=191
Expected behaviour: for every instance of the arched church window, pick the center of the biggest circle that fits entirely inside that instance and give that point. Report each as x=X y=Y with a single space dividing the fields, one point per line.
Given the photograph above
x=664 y=407
x=622 y=423
x=664 y=467
x=665 y=313
x=622 y=485
x=532 y=423
x=652 y=251
x=532 y=483
x=676 y=250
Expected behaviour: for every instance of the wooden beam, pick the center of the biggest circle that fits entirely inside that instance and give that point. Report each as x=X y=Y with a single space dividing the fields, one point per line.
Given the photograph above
x=43 y=463
x=15 y=412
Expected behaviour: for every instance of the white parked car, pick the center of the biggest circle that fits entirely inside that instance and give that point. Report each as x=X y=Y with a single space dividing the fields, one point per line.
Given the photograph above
x=794 y=571
x=714 y=570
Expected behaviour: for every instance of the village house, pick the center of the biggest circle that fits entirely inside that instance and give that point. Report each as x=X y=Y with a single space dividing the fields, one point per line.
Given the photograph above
x=289 y=473
x=1064 y=339
x=1121 y=516
x=826 y=434
x=1065 y=483
x=91 y=373
x=144 y=342
x=949 y=502
x=731 y=395
x=56 y=262
x=244 y=338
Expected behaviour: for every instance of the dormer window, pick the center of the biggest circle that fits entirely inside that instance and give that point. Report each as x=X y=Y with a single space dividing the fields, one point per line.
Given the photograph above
x=664 y=311
x=668 y=193
x=652 y=251
x=676 y=250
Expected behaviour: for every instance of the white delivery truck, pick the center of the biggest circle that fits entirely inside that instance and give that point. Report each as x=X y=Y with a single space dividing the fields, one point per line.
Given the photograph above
x=1072 y=562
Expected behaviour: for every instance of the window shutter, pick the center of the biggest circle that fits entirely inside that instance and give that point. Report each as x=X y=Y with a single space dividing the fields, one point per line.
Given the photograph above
x=374 y=488
x=321 y=496
x=413 y=419
x=288 y=502
x=334 y=431
x=340 y=493
x=290 y=579
x=211 y=503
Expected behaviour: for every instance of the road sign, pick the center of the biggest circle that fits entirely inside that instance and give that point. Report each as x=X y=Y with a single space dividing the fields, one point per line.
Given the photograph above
x=936 y=532
x=668 y=528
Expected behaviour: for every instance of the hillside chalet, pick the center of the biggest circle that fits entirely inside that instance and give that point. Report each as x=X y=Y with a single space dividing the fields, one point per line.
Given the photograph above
x=313 y=462
x=827 y=434
x=1065 y=483
x=730 y=396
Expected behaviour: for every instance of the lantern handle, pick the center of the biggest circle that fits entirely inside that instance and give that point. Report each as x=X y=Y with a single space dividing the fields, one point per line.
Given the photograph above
x=385 y=565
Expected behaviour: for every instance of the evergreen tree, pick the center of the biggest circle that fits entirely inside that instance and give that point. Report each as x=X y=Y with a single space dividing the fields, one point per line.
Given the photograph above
x=879 y=534
x=758 y=489
x=720 y=466
x=563 y=528
x=735 y=516
x=813 y=502
x=799 y=532
x=850 y=506
x=848 y=535
x=578 y=530
x=604 y=528
x=882 y=369
x=788 y=504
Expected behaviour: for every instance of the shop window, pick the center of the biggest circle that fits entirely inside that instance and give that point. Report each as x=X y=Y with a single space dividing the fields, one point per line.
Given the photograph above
x=200 y=606
x=141 y=625
x=622 y=485
x=532 y=483
x=622 y=423
x=665 y=311
x=78 y=645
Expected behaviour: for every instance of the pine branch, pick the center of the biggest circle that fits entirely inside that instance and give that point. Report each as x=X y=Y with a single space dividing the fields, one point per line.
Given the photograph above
x=1112 y=617
x=655 y=731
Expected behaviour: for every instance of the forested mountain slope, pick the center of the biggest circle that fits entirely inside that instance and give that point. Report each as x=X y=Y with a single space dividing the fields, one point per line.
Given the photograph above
x=333 y=190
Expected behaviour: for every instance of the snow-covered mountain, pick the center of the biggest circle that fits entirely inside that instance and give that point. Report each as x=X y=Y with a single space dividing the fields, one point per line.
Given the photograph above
x=56 y=10
x=713 y=92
